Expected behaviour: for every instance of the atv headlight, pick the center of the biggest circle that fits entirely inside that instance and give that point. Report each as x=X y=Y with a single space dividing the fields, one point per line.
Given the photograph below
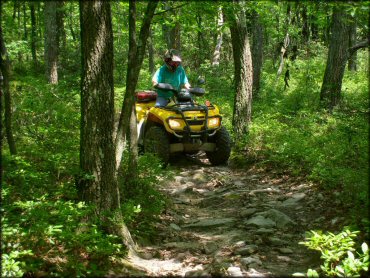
x=175 y=123
x=213 y=122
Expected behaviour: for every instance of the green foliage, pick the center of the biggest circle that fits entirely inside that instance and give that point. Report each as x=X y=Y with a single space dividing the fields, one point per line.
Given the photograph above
x=337 y=252
x=143 y=200
x=60 y=239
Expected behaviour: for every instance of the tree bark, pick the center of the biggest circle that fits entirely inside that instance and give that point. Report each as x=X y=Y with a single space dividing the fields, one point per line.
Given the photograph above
x=352 y=61
x=33 y=34
x=257 y=51
x=337 y=58
x=51 y=41
x=217 y=51
x=243 y=71
x=97 y=183
x=151 y=52
x=135 y=59
x=172 y=34
x=5 y=69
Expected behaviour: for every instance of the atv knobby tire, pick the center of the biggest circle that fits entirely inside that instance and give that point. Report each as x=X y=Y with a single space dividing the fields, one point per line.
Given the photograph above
x=223 y=147
x=156 y=142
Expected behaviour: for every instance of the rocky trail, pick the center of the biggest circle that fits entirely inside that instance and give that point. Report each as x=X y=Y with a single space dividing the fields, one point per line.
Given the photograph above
x=233 y=222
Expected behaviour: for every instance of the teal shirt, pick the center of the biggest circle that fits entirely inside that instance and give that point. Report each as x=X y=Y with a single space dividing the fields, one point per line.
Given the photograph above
x=176 y=79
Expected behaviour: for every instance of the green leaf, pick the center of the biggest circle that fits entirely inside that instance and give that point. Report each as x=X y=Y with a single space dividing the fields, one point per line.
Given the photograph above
x=298 y=274
x=312 y=273
x=364 y=247
x=350 y=255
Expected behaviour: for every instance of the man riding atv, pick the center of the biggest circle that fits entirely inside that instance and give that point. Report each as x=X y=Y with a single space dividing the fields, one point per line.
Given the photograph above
x=171 y=73
x=171 y=121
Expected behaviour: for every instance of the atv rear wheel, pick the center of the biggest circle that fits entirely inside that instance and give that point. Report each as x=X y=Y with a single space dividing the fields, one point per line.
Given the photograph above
x=156 y=142
x=223 y=147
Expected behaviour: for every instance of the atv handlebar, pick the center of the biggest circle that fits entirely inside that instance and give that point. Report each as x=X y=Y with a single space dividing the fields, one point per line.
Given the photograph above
x=169 y=87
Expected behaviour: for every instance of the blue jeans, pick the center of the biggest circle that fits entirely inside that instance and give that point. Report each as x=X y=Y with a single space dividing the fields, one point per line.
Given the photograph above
x=161 y=101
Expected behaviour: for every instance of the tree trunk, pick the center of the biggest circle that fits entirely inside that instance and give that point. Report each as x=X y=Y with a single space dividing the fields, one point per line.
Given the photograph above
x=62 y=36
x=172 y=34
x=305 y=27
x=337 y=58
x=352 y=61
x=97 y=183
x=217 y=52
x=285 y=43
x=151 y=53
x=135 y=60
x=51 y=41
x=257 y=51
x=25 y=31
x=33 y=34
x=243 y=72
x=4 y=67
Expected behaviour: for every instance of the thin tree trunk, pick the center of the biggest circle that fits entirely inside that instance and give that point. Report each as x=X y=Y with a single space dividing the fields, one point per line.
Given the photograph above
x=352 y=61
x=136 y=57
x=285 y=44
x=25 y=32
x=51 y=41
x=33 y=34
x=4 y=67
x=171 y=34
x=257 y=51
x=217 y=51
x=62 y=36
x=151 y=53
x=330 y=93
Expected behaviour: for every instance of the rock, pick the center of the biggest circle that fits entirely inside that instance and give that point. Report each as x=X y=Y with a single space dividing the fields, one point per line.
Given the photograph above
x=246 y=250
x=239 y=244
x=285 y=250
x=210 y=247
x=250 y=260
x=181 y=256
x=175 y=227
x=239 y=183
x=197 y=273
x=293 y=201
x=210 y=222
x=263 y=231
x=199 y=177
x=247 y=212
x=234 y=271
x=284 y=258
x=182 y=245
x=281 y=219
x=276 y=241
x=260 y=222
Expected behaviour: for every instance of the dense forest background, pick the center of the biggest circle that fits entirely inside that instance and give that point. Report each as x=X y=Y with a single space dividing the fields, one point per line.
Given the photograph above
x=299 y=69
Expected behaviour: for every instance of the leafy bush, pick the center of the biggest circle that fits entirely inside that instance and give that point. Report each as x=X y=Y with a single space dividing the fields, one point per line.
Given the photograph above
x=143 y=202
x=337 y=252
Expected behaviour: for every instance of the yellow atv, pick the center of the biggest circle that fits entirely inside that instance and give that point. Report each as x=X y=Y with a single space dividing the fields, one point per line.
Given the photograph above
x=181 y=126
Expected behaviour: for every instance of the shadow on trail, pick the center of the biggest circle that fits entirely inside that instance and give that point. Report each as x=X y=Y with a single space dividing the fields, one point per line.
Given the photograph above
x=184 y=160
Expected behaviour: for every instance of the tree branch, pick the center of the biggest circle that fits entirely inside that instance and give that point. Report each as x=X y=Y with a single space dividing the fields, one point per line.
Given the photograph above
x=358 y=46
x=171 y=9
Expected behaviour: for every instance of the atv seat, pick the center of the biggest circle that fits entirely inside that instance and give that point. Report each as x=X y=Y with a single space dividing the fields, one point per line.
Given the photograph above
x=146 y=96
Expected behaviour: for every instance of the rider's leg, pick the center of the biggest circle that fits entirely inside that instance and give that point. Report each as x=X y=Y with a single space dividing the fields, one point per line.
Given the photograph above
x=161 y=101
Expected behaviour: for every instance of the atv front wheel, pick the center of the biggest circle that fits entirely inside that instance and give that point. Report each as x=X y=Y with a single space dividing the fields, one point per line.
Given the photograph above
x=156 y=142
x=223 y=147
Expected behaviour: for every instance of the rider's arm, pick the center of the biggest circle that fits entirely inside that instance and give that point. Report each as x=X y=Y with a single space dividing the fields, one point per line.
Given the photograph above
x=156 y=77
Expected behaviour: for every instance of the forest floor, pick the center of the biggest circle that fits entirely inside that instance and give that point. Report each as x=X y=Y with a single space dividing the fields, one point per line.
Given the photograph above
x=223 y=221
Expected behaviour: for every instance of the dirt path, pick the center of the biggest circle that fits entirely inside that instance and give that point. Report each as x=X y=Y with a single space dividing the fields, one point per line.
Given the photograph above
x=233 y=223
